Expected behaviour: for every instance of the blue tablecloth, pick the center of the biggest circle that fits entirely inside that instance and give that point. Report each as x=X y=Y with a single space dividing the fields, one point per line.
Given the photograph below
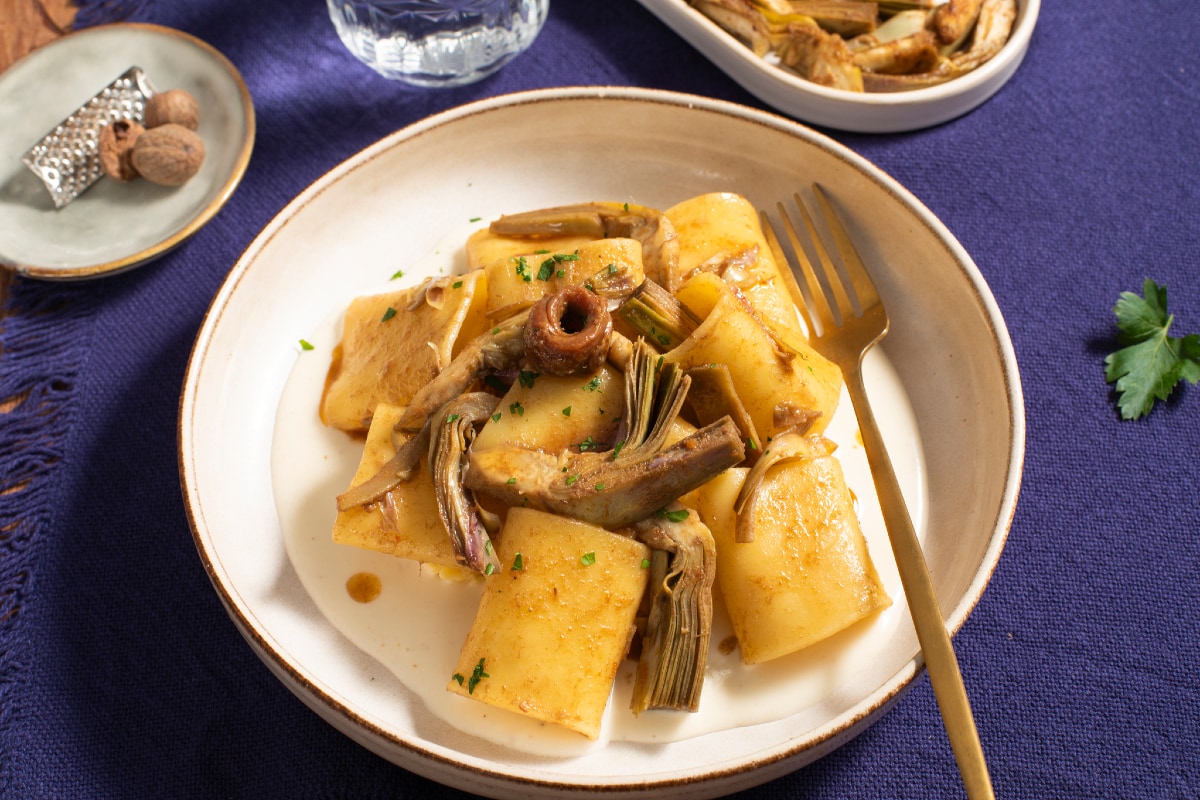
x=121 y=676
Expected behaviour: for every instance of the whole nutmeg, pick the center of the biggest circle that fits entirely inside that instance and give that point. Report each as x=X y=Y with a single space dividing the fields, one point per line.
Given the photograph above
x=169 y=154
x=172 y=106
x=115 y=147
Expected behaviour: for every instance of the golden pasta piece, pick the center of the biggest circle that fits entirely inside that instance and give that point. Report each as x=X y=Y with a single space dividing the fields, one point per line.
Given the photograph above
x=405 y=523
x=484 y=247
x=720 y=233
x=551 y=413
x=766 y=373
x=392 y=345
x=807 y=574
x=555 y=622
x=518 y=281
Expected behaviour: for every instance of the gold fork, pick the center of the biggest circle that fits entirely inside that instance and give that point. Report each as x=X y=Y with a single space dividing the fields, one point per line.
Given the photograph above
x=844 y=331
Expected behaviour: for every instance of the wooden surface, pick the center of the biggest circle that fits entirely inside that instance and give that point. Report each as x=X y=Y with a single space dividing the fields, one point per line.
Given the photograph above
x=24 y=26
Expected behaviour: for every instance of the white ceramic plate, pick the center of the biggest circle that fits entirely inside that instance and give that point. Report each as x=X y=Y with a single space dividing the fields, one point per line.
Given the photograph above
x=112 y=226
x=836 y=108
x=405 y=203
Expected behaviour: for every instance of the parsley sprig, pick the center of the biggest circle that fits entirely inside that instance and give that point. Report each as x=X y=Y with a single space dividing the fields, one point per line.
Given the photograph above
x=1151 y=362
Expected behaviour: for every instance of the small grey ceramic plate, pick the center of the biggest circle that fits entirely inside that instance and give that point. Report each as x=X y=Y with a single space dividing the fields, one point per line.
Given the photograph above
x=112 y=226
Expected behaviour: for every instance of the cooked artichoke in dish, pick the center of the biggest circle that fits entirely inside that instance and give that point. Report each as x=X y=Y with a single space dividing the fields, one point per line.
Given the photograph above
x=869 y=46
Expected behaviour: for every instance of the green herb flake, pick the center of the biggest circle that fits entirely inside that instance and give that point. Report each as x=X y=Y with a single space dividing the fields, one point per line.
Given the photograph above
x=678 y=515
x=517 y=408
x=474 y=219
x=397 y=274
x=458 y=678
x=456 y=285
x=451 y=418
x=645 y=565
x=560 y=274
x=617 y=450
x=750 y=443
x=600 y=487
x=476 y=676
x=593 y=385
x=518 y=563
x=587 y=559
x=526 y=378
x=511 y=481
x=490 y=569
x=567 y=411
x=391 y=312
x=1151 y=363
x=571 y=479
x=523 y=269
x=496 y=417
x=305 y=344
x=587 y=444
x=612 y=269
x=546 y=270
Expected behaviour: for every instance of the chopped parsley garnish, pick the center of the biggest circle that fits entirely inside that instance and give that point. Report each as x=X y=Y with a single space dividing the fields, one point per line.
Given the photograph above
x=517 y=408
x=546 y=270
x=527 y=378
x=571 y=479
x=593 y=384
x=397 y=274
x=476 y=676
x=523 y=269
x=458 y=677
x=391 y=312
x=474 y=219
x=617 y=449
x=511 y=481
x=600 y=487
x=496 y=417
x=587 y=444
x=750 y=443
x=490 y=569
x=305 y=344
x=518 y=563
x=645 y=565
x=567 y=411
x=456 y=285
x=587 y=559
x=612 y=269
x=451 y=418
x=678 y=515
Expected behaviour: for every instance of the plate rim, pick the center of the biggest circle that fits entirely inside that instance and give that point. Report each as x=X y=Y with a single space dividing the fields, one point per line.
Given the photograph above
x=433 y=759
x=204 y=214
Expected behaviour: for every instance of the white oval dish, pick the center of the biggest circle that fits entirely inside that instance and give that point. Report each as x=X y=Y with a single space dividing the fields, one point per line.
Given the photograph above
x=395 y=203
x=113 y=227
x=836 y=108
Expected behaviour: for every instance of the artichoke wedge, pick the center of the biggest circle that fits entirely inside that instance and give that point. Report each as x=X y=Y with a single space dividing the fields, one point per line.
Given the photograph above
x=683 y=567
x=453 y=430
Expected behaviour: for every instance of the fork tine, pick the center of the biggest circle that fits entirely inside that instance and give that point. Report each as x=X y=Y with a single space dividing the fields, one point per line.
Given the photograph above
x=818 y=301
x=789 y=276
x=860 y=279
x=845 y=307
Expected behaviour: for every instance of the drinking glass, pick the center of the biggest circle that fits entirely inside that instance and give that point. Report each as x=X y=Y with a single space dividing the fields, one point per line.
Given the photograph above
x=427 y=43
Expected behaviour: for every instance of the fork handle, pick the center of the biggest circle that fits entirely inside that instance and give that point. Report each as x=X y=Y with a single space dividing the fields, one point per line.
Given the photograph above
x=940 y=661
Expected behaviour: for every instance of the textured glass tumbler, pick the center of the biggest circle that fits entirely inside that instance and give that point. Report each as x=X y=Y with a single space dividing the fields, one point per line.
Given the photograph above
x=428 y=43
